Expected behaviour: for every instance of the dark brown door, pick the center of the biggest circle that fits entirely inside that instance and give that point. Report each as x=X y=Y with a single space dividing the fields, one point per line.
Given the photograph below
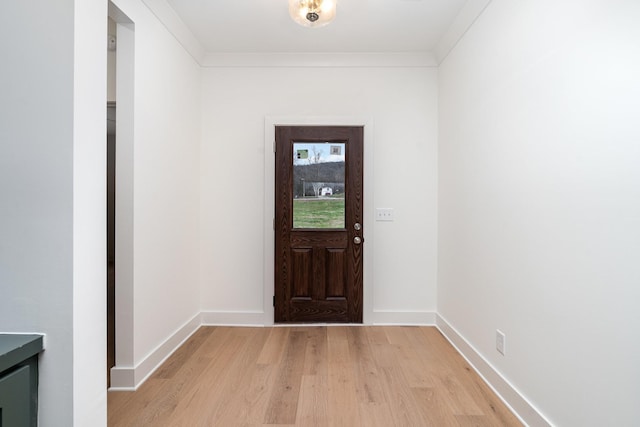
x=318 y=224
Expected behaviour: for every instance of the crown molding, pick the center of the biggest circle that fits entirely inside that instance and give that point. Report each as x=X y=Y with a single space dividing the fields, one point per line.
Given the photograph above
x=459 y=27
x=357 y=59
x=174 y=24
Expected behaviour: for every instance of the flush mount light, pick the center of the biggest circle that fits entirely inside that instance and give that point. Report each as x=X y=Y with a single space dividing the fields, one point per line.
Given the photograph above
x=312 y=13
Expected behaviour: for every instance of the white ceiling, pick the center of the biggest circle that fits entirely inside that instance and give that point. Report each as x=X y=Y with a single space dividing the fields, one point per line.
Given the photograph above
x=366 y=26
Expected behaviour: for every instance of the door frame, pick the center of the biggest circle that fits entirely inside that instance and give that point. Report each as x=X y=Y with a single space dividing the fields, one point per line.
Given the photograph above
x=121 y=377
x=269 y=204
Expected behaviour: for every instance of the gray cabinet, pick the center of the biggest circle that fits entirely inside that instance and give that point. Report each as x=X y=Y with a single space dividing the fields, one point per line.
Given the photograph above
x=19 y=380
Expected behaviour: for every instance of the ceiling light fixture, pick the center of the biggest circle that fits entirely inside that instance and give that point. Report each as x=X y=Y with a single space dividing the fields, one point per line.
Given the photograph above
x=312 y=13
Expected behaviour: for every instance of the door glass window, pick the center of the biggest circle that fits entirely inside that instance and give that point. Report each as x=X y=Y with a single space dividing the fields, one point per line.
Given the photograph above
x=318 y=185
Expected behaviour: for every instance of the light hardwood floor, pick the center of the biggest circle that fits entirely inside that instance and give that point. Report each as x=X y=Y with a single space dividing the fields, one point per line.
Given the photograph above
x=312 y=376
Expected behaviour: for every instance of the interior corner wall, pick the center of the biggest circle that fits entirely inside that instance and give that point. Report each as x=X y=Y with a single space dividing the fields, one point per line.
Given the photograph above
x=401 y=102
x=539 y=202
x=165 y=200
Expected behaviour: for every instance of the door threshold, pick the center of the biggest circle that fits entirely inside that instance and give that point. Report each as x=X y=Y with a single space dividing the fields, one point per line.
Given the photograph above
x=312 y=325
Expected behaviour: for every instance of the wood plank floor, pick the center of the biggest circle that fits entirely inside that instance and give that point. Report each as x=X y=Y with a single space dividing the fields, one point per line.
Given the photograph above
x=312 y=376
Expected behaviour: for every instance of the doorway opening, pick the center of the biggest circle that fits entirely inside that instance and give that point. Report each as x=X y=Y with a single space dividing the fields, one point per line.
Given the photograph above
x=111 y=197
x=120 y=143
x=111 y=238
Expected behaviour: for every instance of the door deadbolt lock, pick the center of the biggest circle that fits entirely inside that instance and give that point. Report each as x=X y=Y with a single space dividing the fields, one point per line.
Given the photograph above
x=357 y=226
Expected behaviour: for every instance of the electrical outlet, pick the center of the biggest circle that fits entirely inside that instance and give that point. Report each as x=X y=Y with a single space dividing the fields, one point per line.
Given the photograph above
x=500 y=341
x=384 y=214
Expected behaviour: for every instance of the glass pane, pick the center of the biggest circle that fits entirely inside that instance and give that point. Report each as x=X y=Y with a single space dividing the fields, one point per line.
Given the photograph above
x=318 y=185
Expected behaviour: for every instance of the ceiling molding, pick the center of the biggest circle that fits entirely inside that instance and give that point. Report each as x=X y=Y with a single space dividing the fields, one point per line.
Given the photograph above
x=359 y=59
x=174 y=24
x=461 y=24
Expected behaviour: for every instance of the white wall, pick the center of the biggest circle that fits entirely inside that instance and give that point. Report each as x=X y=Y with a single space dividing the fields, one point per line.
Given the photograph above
x=165 y=198
x=89 y=214
x=52 y=128
x=539 y=202
x=401 y=103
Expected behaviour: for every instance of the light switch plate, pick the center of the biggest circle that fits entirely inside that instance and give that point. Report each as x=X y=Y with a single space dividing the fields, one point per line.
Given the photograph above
x=384 y=214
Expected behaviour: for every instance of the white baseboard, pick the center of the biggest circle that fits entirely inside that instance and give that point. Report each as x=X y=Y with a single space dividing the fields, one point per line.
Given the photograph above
x=255 y=318
x=123 y=378
x=130 y=378
x=233 y=318
x=518 y=404
x=406 y=318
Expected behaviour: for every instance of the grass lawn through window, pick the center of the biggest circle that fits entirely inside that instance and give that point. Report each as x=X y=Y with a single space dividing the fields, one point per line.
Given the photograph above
x=318 y=212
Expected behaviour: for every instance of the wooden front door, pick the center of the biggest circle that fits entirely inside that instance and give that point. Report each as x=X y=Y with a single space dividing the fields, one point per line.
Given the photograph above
x=318 y=224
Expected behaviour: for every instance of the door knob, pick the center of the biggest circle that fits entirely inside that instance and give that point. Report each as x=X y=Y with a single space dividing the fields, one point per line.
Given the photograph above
x=357 y=240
